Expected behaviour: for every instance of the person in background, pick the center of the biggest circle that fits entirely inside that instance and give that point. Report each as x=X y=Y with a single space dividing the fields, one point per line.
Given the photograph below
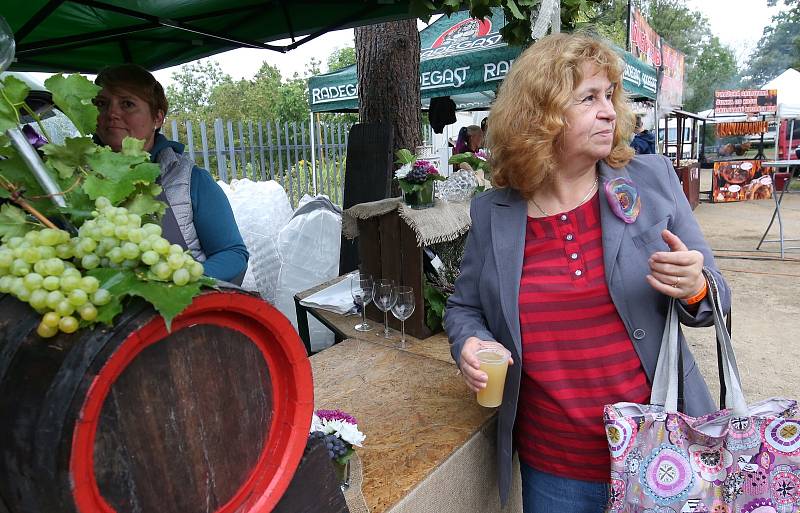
x=570 y=263
x=461 y=141
x=470 y=138
x=643 y=141
x=199 y=218
x=472 y=141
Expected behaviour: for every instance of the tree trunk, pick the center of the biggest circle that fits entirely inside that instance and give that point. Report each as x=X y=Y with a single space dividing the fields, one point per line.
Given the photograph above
x=388 y=79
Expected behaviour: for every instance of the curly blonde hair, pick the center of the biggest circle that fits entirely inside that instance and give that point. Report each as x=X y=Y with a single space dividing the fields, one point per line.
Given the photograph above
x=528 y=123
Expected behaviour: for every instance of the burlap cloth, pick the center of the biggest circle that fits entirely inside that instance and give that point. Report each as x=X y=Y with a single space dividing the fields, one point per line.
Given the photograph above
x=353 y=496
x=443 y=222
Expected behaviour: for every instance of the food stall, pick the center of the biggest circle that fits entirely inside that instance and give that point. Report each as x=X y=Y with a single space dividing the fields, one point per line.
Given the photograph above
x=686 y=150
x=741 y=117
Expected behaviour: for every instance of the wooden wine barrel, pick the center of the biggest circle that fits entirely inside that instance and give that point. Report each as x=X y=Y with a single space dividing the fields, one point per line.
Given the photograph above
x=212 y=417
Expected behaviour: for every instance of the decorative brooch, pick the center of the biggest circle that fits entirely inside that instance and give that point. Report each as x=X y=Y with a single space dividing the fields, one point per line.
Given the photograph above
x=623 y=198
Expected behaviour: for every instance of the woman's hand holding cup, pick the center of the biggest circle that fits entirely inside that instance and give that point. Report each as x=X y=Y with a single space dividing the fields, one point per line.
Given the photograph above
x=470 y=364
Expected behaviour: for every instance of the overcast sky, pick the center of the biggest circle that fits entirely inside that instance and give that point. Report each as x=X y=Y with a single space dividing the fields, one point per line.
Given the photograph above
x=738 y=24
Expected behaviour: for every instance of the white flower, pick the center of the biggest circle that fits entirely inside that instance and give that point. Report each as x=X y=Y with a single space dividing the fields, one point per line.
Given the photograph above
x=350 y=434
x=316 y=423
x=331 y=426
x=403 y=171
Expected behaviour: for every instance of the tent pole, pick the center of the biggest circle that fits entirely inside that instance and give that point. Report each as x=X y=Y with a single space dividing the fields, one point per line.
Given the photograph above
x=791 y=137
x=313 y=155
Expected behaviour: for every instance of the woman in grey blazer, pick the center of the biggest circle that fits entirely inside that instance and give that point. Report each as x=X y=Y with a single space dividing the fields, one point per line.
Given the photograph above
x=569 y=264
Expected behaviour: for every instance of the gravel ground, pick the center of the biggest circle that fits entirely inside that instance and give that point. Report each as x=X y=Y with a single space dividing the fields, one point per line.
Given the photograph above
x=766 y=295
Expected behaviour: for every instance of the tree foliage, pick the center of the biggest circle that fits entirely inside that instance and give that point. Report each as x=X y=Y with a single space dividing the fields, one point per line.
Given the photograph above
x=714 y=68
x=778 y=48
x=190 y=94
x=341 y=58
x=202 y=91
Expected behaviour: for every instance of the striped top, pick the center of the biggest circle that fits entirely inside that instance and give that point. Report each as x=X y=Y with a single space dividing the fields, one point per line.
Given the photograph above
x=576 y=353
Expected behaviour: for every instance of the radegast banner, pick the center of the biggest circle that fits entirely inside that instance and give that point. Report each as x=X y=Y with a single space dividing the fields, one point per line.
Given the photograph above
x=463 y=58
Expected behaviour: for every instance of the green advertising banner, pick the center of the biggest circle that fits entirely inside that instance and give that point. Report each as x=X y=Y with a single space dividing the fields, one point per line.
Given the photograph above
x=639 y=79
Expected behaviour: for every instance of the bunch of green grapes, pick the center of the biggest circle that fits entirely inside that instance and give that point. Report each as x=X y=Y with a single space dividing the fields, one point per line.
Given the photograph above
x=44 y=268
x=36 y=269
x=117 y=238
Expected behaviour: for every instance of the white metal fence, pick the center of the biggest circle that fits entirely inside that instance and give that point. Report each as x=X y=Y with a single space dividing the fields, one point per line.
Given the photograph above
x=272 y=150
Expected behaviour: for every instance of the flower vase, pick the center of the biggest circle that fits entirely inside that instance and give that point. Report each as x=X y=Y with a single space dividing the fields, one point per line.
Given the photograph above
x=342 y=474
x=422 y=198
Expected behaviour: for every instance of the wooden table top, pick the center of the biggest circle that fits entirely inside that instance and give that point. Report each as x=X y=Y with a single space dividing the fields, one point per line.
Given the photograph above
x=413 y=408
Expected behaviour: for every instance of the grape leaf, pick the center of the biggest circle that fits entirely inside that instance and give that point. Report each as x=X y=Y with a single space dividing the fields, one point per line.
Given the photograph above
x=73 y=95
x=135 y=148
x=114 y=177
x=116 y=190
x=80 y=206
x=167 y=298
x=16 y=171
x=66 y=158
x=12 y=95
x=13 y=222
x=144 y=203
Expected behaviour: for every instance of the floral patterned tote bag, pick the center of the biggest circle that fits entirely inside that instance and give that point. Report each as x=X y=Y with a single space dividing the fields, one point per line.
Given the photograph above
x=742 y=459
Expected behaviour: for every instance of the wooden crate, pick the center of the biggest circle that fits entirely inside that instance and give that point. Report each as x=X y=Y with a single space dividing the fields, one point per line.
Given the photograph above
x=388 y=248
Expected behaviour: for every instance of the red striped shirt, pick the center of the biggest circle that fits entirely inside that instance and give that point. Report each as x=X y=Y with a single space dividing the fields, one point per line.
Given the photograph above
x=576 y=353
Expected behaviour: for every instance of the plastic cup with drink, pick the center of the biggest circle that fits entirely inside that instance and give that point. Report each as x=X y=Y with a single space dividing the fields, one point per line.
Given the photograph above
x=494 y=362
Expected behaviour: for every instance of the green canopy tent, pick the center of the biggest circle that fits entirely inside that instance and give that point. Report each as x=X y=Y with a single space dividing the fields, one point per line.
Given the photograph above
x=86 y=35
x=465 y=59
x=461 y=57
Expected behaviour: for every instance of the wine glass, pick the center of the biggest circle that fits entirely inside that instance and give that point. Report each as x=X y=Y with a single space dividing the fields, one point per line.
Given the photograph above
x=402 y=309
x=361 y=290
x=384 y=299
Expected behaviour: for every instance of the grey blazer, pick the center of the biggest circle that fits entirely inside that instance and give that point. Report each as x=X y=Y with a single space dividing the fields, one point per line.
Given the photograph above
x=485 y=303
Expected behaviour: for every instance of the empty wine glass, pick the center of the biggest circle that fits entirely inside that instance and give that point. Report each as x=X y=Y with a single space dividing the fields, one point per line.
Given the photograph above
x=384 y=299
x=361 y=290
x=402 y=309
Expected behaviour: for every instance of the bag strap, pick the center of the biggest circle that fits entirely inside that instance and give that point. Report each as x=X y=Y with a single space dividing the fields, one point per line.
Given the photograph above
x=665 y=390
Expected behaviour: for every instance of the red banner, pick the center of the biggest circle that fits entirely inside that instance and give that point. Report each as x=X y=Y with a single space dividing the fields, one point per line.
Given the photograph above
x=670 y=93
x=644 y=43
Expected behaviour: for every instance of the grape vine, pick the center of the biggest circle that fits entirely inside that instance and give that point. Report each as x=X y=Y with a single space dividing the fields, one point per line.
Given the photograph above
x=78 y=279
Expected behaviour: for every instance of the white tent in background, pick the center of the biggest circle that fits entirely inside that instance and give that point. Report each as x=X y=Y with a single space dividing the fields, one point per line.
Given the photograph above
x=788 y=86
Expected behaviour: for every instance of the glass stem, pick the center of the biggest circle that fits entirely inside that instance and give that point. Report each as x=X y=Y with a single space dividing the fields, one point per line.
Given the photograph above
x=363 y=313
x=402 y=334
x=386 y=322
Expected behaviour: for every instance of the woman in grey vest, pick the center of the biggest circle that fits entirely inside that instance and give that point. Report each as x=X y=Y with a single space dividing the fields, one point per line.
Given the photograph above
x=199 y=217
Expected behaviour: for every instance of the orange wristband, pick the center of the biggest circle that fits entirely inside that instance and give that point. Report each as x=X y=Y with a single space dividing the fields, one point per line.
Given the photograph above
x=699 y=296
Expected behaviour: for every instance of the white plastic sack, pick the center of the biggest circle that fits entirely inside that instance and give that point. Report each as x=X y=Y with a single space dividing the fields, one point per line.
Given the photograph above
x=261 y=210
x=309 y=252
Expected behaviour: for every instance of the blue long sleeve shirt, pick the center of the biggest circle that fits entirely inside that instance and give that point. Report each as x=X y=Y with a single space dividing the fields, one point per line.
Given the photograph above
x=216 y=227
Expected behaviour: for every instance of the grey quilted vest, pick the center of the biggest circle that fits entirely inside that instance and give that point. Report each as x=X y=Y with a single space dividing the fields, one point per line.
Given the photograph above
x=176 y=179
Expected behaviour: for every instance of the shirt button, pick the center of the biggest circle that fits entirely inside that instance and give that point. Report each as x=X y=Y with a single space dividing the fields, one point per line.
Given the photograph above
x=639 y=333
x=574 y=256
x=563 y=217
x=578 y=272
x=570 y=236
